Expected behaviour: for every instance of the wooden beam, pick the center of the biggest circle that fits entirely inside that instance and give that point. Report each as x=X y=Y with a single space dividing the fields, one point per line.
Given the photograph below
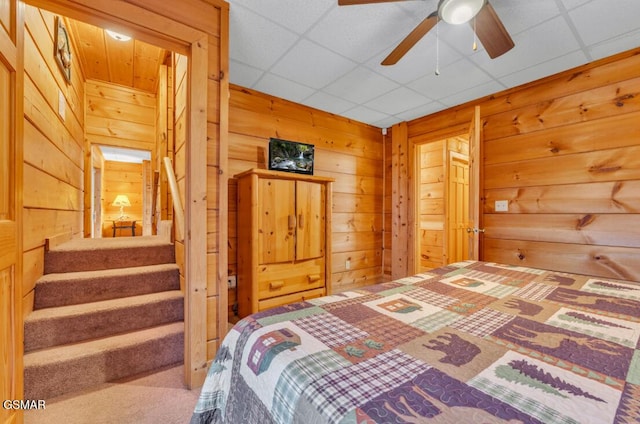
x=400 y=201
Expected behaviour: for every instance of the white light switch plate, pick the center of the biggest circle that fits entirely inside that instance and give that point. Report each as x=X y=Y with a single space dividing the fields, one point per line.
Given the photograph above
x=502 y=206
x=62 y=104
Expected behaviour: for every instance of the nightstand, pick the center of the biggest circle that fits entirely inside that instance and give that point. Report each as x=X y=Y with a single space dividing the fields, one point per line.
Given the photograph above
x=120 y=225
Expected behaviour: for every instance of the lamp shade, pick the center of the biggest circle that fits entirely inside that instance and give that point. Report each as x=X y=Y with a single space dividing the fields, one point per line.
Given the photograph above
x=121 y=200
x=459 y=11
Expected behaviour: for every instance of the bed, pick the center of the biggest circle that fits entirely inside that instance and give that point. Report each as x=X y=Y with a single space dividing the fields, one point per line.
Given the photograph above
x=472 y=342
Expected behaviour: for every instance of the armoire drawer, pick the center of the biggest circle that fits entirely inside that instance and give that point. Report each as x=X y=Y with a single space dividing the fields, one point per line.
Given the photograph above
x=290 y=298
x=281 y=279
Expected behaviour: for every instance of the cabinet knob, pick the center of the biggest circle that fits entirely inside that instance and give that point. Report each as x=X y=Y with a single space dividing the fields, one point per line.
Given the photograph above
x=313 y=278
x=292 y=222
x=275 y=285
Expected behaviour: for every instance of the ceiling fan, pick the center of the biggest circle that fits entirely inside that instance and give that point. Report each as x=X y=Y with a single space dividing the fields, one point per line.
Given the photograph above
x=488 y=27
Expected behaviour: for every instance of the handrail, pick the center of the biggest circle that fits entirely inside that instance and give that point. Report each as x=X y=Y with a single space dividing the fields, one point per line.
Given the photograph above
x=175 y=196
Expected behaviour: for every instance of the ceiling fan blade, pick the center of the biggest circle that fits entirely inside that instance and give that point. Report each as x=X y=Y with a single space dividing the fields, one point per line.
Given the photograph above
x=411 y=39
x=491 y=32
x=354 y=2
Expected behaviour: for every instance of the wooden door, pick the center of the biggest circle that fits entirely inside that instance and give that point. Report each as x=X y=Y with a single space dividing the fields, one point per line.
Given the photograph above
x=11 y=92
x=475 y=156
x=276 y=220
x=310 y=220
x=457 y=207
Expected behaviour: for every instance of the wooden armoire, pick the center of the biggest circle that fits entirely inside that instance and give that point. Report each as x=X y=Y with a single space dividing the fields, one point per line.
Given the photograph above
x=284 y=238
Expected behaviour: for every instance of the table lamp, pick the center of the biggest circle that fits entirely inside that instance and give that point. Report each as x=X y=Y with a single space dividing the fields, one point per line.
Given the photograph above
x=121 y=200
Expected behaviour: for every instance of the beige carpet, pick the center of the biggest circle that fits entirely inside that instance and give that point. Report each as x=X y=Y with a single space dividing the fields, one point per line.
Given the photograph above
x=158 y=398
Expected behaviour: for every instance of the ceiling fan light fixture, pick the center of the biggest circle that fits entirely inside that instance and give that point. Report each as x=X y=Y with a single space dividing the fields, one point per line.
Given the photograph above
x=458 y=12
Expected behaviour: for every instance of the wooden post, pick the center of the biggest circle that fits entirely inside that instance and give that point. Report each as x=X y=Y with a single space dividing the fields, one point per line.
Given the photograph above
x=400 y=201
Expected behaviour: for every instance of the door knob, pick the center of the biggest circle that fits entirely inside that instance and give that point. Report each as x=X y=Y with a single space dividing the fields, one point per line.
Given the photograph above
x=475 y=230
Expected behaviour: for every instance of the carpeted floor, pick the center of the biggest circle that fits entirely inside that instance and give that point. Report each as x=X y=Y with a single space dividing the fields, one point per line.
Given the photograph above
x=158 y=398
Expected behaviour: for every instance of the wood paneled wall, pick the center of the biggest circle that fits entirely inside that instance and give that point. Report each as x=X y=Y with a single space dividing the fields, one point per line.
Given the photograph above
x=122 y=178
x=564 y=151
x=120 y=116
x=53 y=155
x=348 y=151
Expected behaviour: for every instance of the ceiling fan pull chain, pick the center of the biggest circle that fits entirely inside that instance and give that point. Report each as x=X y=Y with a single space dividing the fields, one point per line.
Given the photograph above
x=475 y=37
x=437 y=47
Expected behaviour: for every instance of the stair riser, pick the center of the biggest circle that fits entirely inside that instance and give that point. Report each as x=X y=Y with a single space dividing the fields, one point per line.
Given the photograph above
x=45 y=333
x=92 y=260
x=50 y=380
x=73 y=292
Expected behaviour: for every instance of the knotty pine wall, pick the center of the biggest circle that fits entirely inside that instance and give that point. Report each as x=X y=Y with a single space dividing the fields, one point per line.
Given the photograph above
x=564 y=151
x=120 y=116
x=53 y=155
x=348 y=151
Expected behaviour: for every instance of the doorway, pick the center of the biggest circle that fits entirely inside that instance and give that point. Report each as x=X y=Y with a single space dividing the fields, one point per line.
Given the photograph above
x=443 y=201
x=187 y=31
x=121 y=192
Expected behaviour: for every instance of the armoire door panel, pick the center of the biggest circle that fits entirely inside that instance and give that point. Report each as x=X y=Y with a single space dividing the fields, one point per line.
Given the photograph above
x=276 y=221
x=310 y=213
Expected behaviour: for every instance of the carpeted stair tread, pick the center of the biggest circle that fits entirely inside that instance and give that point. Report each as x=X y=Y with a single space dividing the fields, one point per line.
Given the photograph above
x=107 y=253
x=64 y=369
x=68 y=288
x=73 y=323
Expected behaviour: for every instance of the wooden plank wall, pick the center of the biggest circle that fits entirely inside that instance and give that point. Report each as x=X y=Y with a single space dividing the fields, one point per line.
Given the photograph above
x=348 y=151
x=53 y=155
x=565 y=153
x=122 y=178
x=120 y=116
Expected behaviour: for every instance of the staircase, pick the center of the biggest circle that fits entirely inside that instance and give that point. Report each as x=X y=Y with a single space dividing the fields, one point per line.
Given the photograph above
x=104 y=309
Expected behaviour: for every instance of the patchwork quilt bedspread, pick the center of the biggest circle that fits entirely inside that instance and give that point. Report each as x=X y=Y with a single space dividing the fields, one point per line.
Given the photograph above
x=471 y=342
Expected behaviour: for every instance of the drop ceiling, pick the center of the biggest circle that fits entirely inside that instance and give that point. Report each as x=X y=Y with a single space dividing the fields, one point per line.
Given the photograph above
x=327 y=57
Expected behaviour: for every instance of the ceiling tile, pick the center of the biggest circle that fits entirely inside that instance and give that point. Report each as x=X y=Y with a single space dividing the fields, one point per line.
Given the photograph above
x=361 y=85
x=615 y=45
x=520 y=15
x=604 y=19
x=328 y=102
x=459 y=76
x=539 y=44
x=281 y=87
x=249 y=45
x=397 y=101
x=364 y=114
x=312 y=65
x=297 y=16
x=361 y=32
x=421 y=59
x=243 y=75
x=423 y=110
x=472 y=93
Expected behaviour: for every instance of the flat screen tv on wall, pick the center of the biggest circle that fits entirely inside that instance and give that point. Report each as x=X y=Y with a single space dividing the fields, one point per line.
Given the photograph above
x=291 y=156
